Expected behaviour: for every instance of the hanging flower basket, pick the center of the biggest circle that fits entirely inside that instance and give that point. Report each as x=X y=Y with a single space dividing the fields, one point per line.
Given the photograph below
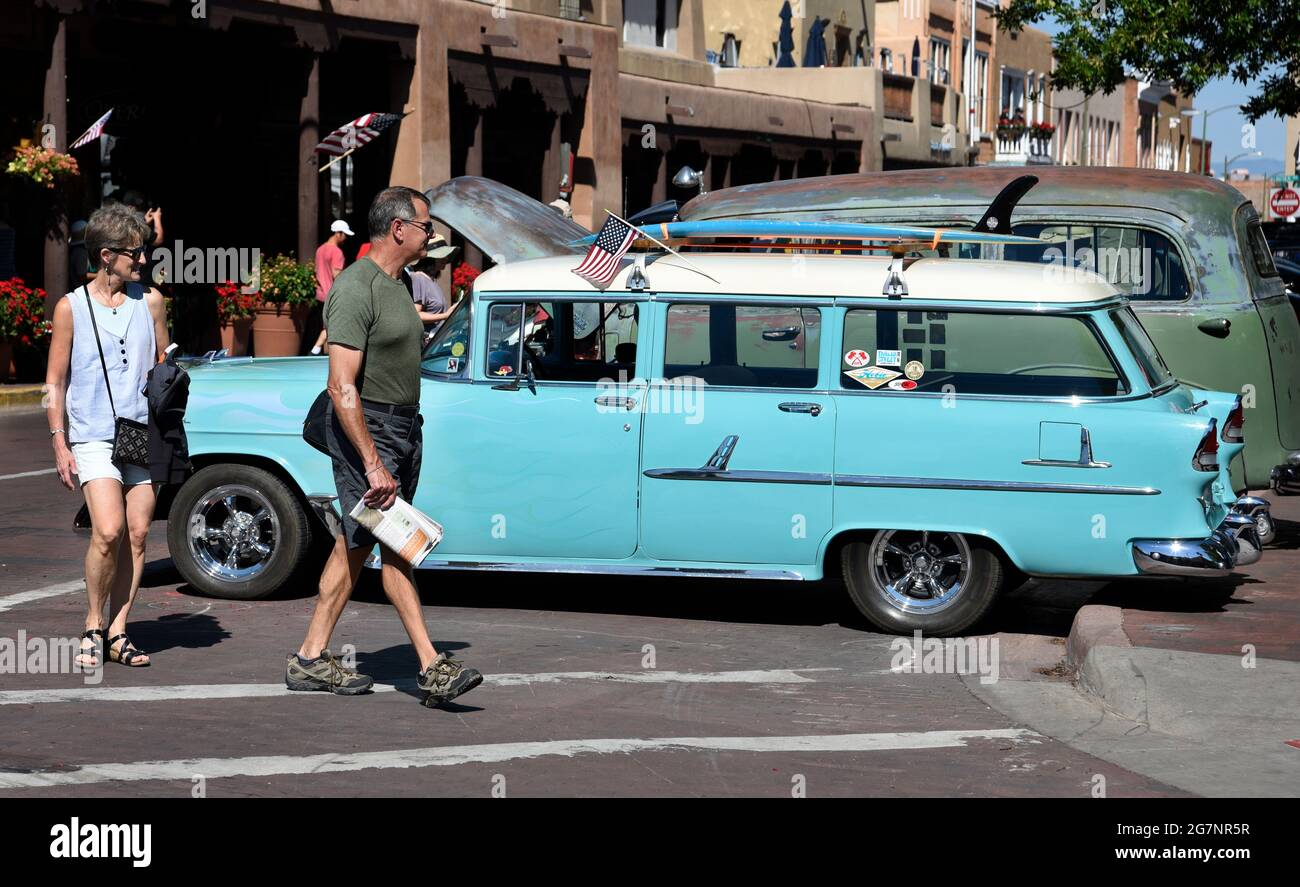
x=43 y=167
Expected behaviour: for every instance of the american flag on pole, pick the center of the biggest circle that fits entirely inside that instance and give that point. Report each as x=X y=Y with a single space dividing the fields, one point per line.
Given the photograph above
x=353 y=135
x=613 y=241
x=96 y=130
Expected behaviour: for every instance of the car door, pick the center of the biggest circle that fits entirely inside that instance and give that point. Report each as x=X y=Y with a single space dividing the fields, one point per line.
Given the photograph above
x=543 y=467
x=739 y=433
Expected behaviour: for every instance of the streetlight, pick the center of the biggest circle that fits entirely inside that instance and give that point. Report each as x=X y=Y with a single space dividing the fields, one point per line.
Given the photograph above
x=1205 y=125
x=1228 y=160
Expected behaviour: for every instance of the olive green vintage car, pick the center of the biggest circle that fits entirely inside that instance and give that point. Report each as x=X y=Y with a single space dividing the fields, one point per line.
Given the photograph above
x=1188 y=250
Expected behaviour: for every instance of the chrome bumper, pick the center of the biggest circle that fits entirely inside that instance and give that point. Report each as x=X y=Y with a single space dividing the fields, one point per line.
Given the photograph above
x=1257 y=509
x=326 y=510
x=1285 y=478
x=1236 y=543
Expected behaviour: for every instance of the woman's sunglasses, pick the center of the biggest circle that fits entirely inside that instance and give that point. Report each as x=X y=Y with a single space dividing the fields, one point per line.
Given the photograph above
x=135 y=252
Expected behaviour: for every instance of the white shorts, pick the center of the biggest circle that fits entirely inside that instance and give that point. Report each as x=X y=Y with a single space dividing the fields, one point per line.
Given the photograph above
x=94 y=460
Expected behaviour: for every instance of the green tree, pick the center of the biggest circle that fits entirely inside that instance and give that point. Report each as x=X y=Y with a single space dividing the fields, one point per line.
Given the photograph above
x=1187 y=42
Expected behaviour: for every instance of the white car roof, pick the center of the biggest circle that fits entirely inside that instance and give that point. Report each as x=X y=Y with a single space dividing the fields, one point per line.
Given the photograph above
x=768 y=274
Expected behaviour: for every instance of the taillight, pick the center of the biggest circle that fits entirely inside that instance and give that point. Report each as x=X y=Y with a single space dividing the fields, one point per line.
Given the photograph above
x=1207 y=453
x=1232 y=426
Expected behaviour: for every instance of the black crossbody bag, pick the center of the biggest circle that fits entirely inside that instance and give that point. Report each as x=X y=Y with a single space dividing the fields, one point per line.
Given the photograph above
x=130 y=438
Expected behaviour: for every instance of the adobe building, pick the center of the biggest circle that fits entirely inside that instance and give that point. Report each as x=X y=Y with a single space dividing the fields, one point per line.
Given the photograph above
x=215 y=117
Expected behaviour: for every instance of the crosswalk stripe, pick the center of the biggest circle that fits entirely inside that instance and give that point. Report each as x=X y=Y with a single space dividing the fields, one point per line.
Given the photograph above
x=343 y=762
x=101 y=693
x=8 y=602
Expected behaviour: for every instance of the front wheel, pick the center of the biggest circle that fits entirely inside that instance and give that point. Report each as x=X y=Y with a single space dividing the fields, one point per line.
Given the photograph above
x=237 y=532
x=917 y=580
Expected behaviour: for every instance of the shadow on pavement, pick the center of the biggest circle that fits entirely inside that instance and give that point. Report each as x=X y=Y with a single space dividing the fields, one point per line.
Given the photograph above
x=190 y=630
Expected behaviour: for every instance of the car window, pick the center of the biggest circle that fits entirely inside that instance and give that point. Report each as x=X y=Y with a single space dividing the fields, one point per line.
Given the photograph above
x=969 y=352
x=1144 y=265
x=1144 y=350
x=447 y=353
x=565 y=341
x=1259 y=250
x=764 y=346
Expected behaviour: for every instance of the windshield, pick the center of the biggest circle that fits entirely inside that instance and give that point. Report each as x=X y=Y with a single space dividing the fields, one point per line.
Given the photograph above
x=447 y=354
x=1143 y=349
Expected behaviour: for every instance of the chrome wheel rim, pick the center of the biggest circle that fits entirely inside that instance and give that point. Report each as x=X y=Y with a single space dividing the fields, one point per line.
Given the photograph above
x=918 y=571
x=233 y=532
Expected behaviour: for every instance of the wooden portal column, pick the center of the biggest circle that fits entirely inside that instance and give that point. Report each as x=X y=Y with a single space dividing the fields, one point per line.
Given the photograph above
x=309 y=164
x=56 y=113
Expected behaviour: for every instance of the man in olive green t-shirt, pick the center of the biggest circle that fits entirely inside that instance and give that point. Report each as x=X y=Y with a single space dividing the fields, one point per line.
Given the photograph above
x=375 y=440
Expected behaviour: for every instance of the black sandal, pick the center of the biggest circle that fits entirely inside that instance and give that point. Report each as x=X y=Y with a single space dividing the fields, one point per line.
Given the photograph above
x=95 y=647
x=127 y=654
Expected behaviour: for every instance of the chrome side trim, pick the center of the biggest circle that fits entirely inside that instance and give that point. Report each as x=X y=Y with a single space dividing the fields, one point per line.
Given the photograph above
x=1085 y=459
x=612 y=569
x=1000 y=486
x=722 y=455
x=326 y=508
x=752 y=477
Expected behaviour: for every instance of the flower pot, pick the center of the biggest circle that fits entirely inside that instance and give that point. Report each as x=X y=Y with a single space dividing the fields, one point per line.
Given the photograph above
x=234 y=335
x=277 y=330
x=6 y=361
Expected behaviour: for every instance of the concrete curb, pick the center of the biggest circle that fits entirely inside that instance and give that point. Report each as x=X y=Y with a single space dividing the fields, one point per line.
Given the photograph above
x=1100 y=653
x=20 y=396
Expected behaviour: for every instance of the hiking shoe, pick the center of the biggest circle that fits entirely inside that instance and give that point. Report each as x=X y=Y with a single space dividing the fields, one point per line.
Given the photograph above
x=324 y=673
x=446 y=679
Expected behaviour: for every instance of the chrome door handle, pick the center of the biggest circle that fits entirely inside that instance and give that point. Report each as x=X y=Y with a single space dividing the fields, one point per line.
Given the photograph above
x=611 y=400
x=813 y=409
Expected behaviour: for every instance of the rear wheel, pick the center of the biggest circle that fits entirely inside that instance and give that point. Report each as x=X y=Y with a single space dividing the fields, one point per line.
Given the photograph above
x=917 y=580
x=237 y=532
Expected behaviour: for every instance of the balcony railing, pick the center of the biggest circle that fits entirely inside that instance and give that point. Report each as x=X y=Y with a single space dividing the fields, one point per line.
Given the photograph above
x=1023 y=149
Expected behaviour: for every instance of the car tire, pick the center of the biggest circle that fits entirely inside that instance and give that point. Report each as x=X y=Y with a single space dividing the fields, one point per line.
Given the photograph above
x=230 y=506
x=969 y=586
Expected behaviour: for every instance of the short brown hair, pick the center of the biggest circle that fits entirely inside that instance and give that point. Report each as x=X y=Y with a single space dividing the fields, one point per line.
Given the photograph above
x=115 y=225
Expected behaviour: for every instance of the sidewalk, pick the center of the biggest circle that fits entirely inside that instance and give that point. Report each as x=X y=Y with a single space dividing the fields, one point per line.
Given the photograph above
x=1193 y=683
x=20 y=395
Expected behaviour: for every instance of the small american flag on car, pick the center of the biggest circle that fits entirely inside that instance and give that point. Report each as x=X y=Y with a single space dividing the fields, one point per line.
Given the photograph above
x=96 y=130
x=613 y=241
x=353 y=135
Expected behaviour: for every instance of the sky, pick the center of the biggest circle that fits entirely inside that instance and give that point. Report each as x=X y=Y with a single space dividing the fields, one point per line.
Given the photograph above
x=1225 y=127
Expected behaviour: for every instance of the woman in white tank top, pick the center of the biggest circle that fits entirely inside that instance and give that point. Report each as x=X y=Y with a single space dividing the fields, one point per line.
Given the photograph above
x=131 y=322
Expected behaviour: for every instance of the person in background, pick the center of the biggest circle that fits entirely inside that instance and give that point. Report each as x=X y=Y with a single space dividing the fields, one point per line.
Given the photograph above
x=329 y=262
x=97 y=379
x=430 y=301
x=152 y=215
x=78 y=259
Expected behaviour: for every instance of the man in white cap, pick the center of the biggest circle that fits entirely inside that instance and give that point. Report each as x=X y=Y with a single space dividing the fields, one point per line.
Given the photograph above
x=329 y=262
x=430 y=301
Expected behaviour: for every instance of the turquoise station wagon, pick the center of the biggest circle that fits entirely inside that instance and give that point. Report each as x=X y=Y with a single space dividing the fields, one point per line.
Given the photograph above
x=759 y=415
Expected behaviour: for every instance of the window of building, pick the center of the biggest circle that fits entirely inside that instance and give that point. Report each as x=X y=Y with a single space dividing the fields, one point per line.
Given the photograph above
x=940 y=60
x=650 y=23
x=765 y=346
x=968 y=352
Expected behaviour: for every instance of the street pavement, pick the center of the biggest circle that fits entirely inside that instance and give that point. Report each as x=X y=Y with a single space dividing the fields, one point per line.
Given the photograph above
x=595 y=685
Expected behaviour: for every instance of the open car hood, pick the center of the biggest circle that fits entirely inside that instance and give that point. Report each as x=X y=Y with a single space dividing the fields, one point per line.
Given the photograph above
x=506 y=225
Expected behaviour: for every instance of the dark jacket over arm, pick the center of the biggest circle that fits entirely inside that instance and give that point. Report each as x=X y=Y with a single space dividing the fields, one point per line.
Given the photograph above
x=168 y=391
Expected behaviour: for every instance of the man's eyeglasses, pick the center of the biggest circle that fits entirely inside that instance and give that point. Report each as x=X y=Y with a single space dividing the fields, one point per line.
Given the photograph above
x=135 y=252
x=426 y=227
